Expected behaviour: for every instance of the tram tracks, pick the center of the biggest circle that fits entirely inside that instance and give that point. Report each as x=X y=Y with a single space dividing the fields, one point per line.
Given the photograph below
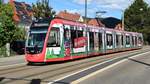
x=24 y=67
x=78 y=66
x=46 y=72
x=16 y=69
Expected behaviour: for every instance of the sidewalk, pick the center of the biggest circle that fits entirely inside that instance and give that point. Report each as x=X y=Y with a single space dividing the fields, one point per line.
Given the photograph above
x=12 y=58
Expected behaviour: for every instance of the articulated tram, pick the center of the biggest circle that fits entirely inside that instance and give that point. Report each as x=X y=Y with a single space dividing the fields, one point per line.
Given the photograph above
x=60 y=40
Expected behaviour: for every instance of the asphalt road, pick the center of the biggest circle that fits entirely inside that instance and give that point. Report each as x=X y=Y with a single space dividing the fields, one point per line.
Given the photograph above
x=133 y=70
x=14 y=70
x=7 y=61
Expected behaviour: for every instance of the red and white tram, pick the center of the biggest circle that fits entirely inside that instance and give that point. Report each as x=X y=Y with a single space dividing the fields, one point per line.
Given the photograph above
x=60 y=40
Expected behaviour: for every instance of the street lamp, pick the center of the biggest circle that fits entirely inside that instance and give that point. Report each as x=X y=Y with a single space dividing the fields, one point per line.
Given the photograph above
x=141 y=9
x=86 y=33
x=99 y=16
x=100 y=13
x=123 y=19
x=142 y=21
x=123 y=14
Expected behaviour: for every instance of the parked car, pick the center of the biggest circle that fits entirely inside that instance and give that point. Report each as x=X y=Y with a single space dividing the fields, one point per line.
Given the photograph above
x=18 y=46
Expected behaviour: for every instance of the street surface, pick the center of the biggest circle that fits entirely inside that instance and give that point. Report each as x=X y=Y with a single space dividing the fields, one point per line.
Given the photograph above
x=133 y=70
x=14 y=70
x=8 y=61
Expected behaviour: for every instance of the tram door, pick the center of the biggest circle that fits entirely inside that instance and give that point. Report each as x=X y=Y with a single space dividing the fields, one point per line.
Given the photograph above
x=67 y=42
x=100 y=39
x=118 y=41
x=109 y=41
x=96 y=41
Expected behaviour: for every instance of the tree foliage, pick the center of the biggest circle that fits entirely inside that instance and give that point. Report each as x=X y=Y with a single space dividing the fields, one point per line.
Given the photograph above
x=0 y=1
x=8 y=31
x=42 y=9
x=137 y=18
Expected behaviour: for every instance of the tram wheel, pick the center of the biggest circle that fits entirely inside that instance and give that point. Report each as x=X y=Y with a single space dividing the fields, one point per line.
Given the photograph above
x=30 y=63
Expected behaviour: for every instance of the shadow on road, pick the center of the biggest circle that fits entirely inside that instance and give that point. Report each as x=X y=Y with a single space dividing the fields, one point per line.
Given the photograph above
x=59 y=82
x=2 y=78
x=35 y=81
x=139 y=62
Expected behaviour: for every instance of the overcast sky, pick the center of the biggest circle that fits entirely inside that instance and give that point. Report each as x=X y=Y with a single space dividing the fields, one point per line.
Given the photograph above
x=114 y=8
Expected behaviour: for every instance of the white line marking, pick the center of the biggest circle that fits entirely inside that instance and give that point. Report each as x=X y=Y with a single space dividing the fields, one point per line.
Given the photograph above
x=92 y=67
x=95 y=73
x=101 y=70
x=139 y=55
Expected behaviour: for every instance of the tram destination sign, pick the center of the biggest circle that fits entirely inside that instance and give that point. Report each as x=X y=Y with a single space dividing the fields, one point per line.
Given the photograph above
x=40 y=24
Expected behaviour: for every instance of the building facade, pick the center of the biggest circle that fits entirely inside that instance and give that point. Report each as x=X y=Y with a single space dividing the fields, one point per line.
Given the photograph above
x=78 y=18
x=22 y=13
x=70 y=16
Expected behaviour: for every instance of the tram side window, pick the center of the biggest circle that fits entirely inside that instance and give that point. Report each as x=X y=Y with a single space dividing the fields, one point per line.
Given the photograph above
x=67 y=39
x=74 y=35
x=91 y=35
x=122 y=41
x=80 y=33
x=100 y=40
x=133 y=40
x=117 y=40
x=140 y=40
x=54 y=38
x=127 y=40
x=109 y=40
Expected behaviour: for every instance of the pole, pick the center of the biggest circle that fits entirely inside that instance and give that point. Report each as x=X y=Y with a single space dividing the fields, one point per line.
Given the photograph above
x=142 y=22
x=123 y=19
x=86 y=27
x=85 y=11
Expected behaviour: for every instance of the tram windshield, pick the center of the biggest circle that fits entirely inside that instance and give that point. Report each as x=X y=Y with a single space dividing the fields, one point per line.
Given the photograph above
x=36 y=39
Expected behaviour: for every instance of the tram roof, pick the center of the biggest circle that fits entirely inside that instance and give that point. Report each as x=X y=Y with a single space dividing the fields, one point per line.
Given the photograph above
x=69 y=22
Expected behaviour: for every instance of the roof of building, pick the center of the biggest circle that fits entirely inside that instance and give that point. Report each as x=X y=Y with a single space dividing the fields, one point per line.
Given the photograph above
x=110 y=22
x=22 y=12
x=68 y=16
x=95 y=22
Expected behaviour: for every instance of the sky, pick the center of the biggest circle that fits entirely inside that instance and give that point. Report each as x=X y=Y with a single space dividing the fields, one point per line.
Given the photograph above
x=113 y=8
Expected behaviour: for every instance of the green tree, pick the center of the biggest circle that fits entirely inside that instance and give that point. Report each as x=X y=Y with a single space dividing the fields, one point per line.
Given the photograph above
x=137 y=18
x=0 y=1
x=7 y=27
x=8 y=30
x=20 y=34
x=42 y=9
